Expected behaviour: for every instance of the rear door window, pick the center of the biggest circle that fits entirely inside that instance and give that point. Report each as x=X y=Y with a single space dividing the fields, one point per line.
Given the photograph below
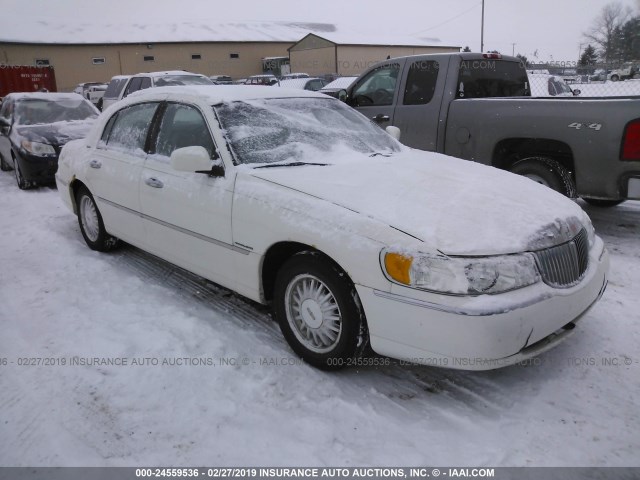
x=492 y=78
x=129 y=127
x=421 y=82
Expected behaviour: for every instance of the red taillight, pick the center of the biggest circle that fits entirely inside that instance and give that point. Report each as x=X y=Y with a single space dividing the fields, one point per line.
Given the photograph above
x=631 y=141
x=492 y=55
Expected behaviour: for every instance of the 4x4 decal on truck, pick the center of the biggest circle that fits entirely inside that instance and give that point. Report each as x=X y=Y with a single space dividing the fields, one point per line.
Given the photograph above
x=578 y=126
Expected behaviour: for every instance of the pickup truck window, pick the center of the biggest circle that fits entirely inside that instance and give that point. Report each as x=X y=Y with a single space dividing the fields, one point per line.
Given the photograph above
x=492 y=78
x=377 y=87
x=421 y=82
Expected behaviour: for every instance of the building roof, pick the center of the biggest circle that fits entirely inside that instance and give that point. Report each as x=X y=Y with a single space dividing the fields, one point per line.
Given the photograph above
x=69 y=32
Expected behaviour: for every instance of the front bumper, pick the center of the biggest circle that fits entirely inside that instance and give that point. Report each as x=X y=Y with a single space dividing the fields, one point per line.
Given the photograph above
x=37 y=169
x=479 y=333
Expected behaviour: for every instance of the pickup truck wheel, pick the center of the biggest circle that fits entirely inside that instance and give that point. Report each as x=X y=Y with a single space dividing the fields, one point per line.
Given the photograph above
x=615 y=78
x=596 y=202
x=91 y=224
x=318 y=310
x=547 y=172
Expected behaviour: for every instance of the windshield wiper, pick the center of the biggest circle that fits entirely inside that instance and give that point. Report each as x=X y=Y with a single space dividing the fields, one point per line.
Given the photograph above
x=291 y=164
x=375 y=154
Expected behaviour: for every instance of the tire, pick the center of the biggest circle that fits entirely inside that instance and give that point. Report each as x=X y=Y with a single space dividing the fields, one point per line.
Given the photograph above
x=615 y=78
x=547 y=172
x=91 y=224
x=596 y=202
x=99 y=105
x=4 y=166
x=318 y=310
x=20 y=180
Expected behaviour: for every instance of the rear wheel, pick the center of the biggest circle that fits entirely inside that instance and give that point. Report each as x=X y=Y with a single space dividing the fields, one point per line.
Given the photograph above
x=91 y=224
x=596 y=202
x=547 y=172
x=615 y=78
x=318 y=310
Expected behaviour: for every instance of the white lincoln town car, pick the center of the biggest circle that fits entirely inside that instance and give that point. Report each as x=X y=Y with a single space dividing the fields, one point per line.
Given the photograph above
x=293 y=199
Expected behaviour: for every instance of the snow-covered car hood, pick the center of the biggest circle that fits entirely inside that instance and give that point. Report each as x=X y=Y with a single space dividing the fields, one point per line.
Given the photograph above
x=457 y=206
x=58 y=133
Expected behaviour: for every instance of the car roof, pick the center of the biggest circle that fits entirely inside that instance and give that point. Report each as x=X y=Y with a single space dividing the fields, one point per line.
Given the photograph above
x=296 y=82
x=50 y=96
x=168 y=72
x=214 y=94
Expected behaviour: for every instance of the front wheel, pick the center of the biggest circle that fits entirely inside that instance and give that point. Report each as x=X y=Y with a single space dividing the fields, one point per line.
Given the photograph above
x=615 y=78
x=547 y=172
x=20 y=180
x=596 y=202
x=91 y=224
x=318 y=310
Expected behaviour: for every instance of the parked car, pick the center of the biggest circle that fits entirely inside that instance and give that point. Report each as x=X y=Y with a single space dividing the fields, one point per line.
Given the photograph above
x=221 y=79
x=83 y=88
x=33 y=129
x=625 y=72
x=311 y=84
x=293 y=199
x=114 y=91
x=459 y=104
x=338 y=88
x=126 y=85
x=263 y=80
x=543 y=85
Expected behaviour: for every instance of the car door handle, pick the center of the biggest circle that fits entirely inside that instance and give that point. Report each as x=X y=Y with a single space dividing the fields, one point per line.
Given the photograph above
x=380 y=118
x=154 y=182
x=95 y=164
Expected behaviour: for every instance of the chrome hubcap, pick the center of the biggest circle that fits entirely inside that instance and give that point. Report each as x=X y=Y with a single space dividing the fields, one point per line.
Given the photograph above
x=313 y=313
x=537 y=179
x=89 y=217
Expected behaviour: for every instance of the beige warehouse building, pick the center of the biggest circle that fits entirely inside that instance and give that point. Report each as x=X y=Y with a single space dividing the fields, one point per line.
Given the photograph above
x=97 y=52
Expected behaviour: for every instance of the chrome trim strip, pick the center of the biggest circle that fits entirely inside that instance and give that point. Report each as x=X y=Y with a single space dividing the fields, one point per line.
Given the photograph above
x=176 y=228
x=447 y=309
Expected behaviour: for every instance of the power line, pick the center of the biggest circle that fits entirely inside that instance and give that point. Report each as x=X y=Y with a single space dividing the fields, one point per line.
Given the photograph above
x=449 y=20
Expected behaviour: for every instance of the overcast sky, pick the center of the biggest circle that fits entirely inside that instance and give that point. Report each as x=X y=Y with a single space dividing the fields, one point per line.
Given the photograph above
x=551 y=28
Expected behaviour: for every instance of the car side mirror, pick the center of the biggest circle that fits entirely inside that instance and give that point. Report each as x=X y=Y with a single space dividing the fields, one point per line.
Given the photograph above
x=393 y=131
x=195 y=159
x=342 y=95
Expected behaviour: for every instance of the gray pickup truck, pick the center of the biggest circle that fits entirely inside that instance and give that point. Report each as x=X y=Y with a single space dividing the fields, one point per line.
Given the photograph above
x=475 y=106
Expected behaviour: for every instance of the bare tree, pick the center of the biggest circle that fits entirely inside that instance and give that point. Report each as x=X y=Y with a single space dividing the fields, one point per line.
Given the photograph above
x=606 y=26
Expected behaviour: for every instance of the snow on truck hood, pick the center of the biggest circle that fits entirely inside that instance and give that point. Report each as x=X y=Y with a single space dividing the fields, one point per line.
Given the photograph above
x=457 y=206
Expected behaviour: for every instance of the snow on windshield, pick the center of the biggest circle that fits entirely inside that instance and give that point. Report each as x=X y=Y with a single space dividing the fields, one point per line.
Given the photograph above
x=40 y=111
x=297 y=129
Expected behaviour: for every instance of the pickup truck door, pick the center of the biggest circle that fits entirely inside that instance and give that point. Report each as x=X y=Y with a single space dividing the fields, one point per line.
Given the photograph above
x=418 y=101
x=375 y=94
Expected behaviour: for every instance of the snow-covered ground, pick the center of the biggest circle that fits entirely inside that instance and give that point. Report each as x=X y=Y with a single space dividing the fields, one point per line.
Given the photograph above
x=575 y=405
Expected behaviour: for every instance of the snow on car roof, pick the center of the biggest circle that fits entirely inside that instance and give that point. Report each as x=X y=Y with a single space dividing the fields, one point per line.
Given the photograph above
x=214 y=94
x=168 y=72
x=299 y=83
x=50 y=96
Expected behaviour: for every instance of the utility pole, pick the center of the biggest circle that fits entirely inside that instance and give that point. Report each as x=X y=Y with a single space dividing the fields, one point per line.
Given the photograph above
x=482 y=30
x=513 y=49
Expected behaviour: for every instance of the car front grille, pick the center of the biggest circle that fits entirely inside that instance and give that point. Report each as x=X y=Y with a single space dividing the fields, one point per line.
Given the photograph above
x=564 y=265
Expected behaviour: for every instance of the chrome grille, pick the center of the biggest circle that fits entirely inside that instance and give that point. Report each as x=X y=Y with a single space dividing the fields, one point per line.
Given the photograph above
x=564 y=265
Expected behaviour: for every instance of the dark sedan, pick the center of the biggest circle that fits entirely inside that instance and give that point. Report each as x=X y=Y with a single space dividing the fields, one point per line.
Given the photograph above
x=33 y=129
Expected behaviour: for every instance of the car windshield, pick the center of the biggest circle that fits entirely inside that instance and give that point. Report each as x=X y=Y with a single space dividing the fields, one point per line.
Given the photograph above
x=39 y=111
x=298 y=130
x=172 y=80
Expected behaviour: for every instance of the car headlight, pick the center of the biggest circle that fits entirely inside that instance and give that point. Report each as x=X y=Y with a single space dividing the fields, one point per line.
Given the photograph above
x=460 y=275
x=37 y=148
